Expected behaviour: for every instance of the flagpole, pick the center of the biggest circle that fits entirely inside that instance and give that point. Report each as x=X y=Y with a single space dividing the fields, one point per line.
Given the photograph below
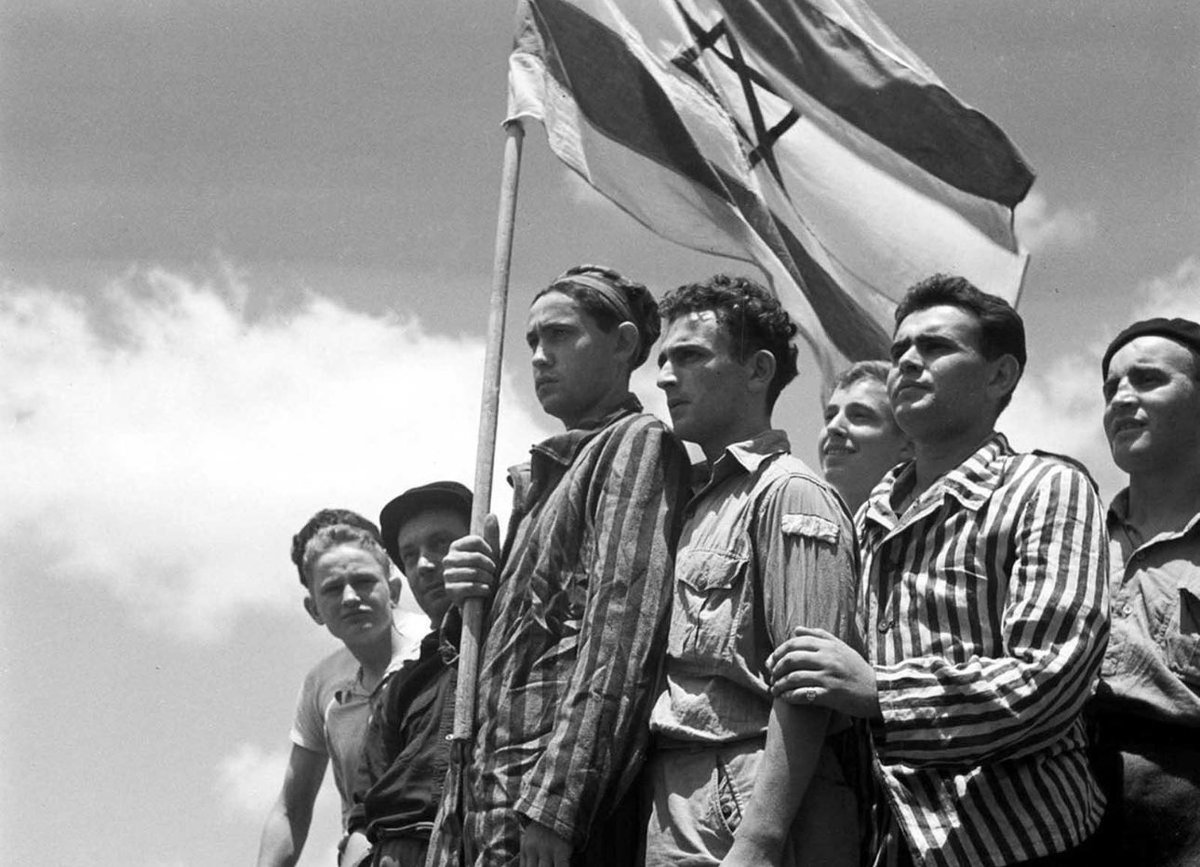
x=472 y=609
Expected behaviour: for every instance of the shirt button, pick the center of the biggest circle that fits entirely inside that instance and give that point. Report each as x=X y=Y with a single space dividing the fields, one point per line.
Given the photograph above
x=1127 y=610
x=884 y=626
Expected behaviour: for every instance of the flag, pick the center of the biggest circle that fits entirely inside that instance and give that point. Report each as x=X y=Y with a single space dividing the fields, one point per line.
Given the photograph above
x=797 y=135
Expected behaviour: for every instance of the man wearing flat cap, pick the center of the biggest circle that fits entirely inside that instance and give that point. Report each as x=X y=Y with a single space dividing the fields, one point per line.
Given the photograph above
x=1148 y=703
x=579 y=594
x=406 y=751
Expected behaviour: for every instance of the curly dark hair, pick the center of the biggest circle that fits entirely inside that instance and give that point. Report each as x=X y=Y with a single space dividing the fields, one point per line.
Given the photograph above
x=752 y=317
x=641 y=302
x=1001 y=329
x=328 y=518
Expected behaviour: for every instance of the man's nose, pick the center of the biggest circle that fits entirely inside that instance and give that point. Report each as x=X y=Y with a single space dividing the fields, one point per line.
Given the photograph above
x=1124 y=395
x=540 y=359
x=666 y=375
x=909 y=361
x=349 y=595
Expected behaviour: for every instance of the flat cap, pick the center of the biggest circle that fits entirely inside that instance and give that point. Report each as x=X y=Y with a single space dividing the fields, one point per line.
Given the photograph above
x=450 y=495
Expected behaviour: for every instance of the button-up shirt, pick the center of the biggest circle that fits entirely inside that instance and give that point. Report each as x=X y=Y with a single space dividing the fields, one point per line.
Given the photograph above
x=575 y=634
x=986 y=616
x=1152 y=667
x=765 y=547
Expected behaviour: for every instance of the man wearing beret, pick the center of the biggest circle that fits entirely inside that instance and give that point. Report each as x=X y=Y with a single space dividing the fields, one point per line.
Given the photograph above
x=1148 y=703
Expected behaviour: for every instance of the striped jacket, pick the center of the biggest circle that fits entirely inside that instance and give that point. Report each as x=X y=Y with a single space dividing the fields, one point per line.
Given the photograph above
x=985 y=607
x=576 y=635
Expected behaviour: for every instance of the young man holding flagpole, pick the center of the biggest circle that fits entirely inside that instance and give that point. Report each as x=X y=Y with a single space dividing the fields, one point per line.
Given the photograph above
x=579 y=593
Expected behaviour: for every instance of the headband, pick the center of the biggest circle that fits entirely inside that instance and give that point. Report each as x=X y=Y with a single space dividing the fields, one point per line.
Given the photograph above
x=611 y=297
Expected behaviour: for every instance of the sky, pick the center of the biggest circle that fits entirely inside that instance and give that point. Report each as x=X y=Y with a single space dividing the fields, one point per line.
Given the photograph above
x=244 y=256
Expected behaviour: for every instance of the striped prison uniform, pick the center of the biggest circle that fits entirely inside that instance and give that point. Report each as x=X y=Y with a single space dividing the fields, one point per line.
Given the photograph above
x=986 y=615
x=575 y=638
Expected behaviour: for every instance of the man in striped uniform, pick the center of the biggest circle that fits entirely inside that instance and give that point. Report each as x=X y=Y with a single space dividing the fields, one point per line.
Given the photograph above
x=984 y=595
x=576 y=627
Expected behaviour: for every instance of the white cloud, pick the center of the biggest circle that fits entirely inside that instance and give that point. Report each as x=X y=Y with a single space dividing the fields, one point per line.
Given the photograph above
x=1177 y=294
x=1040 y=228
x=248 y=779
x=247 y=783
x=1060 y=410
x=159 y=445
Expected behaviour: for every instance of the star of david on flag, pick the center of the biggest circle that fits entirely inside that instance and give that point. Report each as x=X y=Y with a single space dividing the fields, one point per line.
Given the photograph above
x=801 y=137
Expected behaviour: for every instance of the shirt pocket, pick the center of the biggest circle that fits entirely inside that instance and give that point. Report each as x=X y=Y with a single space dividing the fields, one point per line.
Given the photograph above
x=1182 y=644
x=706 y=613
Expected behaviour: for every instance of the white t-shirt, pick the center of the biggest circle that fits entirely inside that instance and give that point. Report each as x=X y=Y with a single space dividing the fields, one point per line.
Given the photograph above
x=333 y=708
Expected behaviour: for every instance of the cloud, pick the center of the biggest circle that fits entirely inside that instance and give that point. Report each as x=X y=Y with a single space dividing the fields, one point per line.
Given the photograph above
x=247 y=783
x=1039 y=228
x=1177 y=294
x=1060 y=409
x=248 y=779
x=160 y=445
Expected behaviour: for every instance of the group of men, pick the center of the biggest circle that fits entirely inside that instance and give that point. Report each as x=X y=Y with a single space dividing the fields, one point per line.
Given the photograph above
x=720 y=665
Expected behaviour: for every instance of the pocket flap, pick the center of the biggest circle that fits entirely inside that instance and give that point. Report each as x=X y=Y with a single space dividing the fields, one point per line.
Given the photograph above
x=705 y=571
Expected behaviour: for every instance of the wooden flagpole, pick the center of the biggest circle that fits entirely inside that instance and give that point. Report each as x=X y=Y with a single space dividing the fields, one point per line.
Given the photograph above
x=485 y=455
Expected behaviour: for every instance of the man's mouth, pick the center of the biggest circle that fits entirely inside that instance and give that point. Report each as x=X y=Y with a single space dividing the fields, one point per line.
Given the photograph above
x=1126 y=425
x=908 y=386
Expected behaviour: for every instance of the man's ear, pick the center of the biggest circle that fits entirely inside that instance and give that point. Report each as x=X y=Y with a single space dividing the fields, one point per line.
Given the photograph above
x=628 y=340
x=395 y=586
x=761 y=366
x=1006 y=373
x=311 y=607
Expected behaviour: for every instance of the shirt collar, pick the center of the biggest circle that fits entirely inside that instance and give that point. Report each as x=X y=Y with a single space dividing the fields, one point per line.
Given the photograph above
x=1118 y=521
x=971 y=482
x=974 y=480
x=749 y=455
x=562 y=448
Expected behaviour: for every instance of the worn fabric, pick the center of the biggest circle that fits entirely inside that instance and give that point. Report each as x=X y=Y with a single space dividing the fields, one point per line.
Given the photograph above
x=986 y=610
x=700 y=796
x=331 y=718
x=400 y=852
x=1148 y=706
x=406 y=752
x=765 y=547
x=1152 y=666
x=575 y=634
x=333 y=708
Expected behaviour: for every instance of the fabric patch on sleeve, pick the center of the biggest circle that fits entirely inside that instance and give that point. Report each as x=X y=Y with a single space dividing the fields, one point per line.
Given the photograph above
x=812 y=526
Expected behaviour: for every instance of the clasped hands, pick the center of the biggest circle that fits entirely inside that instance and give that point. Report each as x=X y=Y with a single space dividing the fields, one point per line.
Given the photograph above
x=814 y=667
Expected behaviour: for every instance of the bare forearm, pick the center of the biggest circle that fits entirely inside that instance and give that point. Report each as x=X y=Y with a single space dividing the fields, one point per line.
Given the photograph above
x=795 y=736
x=283 y=837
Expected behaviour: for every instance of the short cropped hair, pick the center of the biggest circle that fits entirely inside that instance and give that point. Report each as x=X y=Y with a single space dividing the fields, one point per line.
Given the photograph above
x=752 y=317
x=364 y=532
x=872 y=368
x=643 y=307
x=1001 y=329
